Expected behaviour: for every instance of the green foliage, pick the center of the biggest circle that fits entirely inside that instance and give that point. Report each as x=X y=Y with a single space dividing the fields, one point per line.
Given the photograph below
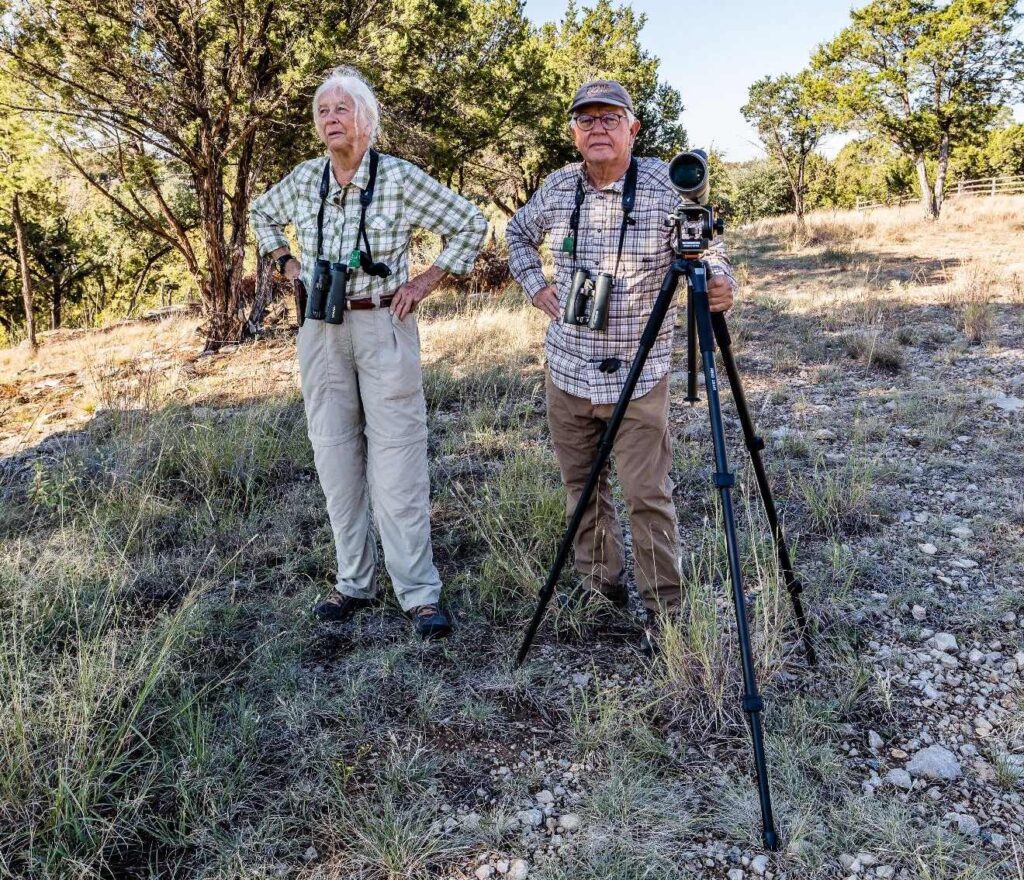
x=761 y=190
x=790 y=123
x=924 y=75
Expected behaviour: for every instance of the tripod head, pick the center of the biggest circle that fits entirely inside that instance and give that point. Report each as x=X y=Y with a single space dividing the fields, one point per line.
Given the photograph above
x=695 y=223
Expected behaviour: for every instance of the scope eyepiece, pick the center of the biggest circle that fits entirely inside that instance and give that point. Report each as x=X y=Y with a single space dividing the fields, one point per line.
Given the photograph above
x=689 y=175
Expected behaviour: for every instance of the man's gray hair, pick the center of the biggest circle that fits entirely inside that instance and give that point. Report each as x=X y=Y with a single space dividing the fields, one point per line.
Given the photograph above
x=351 y=82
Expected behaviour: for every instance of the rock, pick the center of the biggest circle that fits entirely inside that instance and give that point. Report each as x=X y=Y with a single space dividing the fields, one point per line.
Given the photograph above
x=928 y=549
x=885 y=871
x=502 y=866
x=936 y=763
x=518 y=870
x=900 y=779
x=875 y=742
x=918 y=613
x=545 y=797
x=1007 y=403
x=310 y=854
x=759 y=864
x=736 y=874
x=848 y=861
x=471 y=821
x=530 y=818
x=945 y=642
x=570 y=822
x=1008 y=619
x=483 y=872
x=968 y=825
x=962 y=532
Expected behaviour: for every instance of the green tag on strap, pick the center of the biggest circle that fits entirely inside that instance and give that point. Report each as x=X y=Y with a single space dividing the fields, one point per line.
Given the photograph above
x=567 y=244
x=353 y=259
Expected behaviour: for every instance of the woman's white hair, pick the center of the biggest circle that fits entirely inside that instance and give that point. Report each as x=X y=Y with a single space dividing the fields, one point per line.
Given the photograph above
x=349 y=81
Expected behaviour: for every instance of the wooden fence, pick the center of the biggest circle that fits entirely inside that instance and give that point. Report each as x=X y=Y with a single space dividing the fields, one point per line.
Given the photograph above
x=985 y=186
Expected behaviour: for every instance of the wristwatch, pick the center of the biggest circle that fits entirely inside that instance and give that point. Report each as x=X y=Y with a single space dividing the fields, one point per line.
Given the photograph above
x=282 y=261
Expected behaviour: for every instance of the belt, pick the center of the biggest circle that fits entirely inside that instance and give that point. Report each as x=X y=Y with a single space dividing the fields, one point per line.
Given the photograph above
x=367 y=303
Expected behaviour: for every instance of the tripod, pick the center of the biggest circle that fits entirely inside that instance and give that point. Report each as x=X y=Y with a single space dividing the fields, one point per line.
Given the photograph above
x=704 y=327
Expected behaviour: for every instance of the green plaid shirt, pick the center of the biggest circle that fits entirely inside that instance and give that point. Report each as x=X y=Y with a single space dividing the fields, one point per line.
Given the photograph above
x=404 y=196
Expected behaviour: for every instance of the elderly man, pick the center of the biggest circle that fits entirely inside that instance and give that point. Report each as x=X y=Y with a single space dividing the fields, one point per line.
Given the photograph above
x=361 y=378
x=606 y=215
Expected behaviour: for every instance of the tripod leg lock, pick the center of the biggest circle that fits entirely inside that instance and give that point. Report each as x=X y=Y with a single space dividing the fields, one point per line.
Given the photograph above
x=724 y=480
x=756 y=444
x=753 y=703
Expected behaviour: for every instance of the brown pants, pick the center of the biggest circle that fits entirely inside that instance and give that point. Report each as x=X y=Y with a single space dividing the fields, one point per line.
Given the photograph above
x=643 y=458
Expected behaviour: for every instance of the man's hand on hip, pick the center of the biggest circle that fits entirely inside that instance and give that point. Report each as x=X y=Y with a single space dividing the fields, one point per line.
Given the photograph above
x=720 y=294
x=547 y=301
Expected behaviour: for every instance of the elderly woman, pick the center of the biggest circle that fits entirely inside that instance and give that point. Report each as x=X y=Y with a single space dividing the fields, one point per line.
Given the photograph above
x=361 y=378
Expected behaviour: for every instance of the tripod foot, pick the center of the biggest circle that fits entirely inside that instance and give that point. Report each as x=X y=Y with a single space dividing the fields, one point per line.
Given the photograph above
x=771 y=841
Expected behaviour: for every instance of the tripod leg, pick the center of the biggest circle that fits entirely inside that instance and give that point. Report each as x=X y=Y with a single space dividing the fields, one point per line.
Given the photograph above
x=754 y=445
x=691 y=349
x=604 y=449
x=753 y=704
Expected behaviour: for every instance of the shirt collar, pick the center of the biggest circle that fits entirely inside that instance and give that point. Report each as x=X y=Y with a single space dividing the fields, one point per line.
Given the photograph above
x=360 y=179
x=615 y=186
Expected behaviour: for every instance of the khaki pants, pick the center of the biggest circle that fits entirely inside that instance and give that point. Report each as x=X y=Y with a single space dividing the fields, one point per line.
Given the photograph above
x=643 y=459
x=363 y=391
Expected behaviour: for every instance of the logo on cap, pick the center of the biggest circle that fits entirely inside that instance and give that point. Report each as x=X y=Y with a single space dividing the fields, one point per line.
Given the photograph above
x=594 y=91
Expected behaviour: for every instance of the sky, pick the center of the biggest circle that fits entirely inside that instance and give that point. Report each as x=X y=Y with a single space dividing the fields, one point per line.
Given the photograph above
x=712 y=54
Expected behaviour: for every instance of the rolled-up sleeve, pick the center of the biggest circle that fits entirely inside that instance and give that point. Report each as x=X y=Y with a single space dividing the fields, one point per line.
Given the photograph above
x=525 y=233
x=271 y=212
x=719 y=263
x=430 y=204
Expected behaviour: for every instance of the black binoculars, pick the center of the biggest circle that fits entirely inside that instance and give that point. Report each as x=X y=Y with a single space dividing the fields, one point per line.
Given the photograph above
x=587 y=304
x=326 y=300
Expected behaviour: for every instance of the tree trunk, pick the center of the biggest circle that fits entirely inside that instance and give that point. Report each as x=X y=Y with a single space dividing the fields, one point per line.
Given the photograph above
x=56 y=302
x=26 y=279
x=262 y=296
x=927 y=196
x=940 y=174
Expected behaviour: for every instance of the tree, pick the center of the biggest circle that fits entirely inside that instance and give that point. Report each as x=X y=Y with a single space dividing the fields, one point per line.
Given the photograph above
x=596 y=42
x=162 y=106
x=790 y=126
x=761 y=190
x=925 y=75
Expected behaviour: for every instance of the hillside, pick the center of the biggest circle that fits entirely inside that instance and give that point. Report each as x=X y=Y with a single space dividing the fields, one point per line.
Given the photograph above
x=170 y=708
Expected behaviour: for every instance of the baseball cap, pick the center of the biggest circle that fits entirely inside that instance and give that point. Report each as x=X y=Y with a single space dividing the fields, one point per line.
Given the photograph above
x=601 y=91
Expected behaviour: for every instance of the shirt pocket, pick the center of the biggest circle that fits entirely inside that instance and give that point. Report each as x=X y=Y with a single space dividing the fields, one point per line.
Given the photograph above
x=388 y=236
x=304 y=223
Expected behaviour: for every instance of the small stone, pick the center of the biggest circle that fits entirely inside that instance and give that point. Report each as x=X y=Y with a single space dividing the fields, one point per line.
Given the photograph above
x=530 y=818
x=502 y=866
x=936 y=763
x=962 y=532
x=928 y=549
x=310 y=854
x=569 y=822
x=866 y=859
x=968 y=825
x=918 y=613
x=545 y=797
x=483 y=872
x=518 y=870
x=885 y=871
x=875 y=742
x=736 y=874
x=900 y=779
x=848 y=861
x=759 y=864
x=1001 y=401
x=945 y=642
x=1008 y=619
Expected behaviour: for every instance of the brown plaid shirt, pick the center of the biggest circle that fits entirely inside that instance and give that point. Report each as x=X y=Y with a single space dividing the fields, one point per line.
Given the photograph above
x=574 y=353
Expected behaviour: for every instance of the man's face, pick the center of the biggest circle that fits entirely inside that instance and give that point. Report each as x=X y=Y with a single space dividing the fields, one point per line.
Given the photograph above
x=336 y=120
x=602 y=144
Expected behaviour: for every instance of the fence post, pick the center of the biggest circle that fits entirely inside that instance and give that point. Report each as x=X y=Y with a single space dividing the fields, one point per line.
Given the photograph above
x=993 y=186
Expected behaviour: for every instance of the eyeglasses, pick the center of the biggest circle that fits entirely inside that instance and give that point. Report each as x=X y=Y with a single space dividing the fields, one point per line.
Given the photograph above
x=609 y=121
